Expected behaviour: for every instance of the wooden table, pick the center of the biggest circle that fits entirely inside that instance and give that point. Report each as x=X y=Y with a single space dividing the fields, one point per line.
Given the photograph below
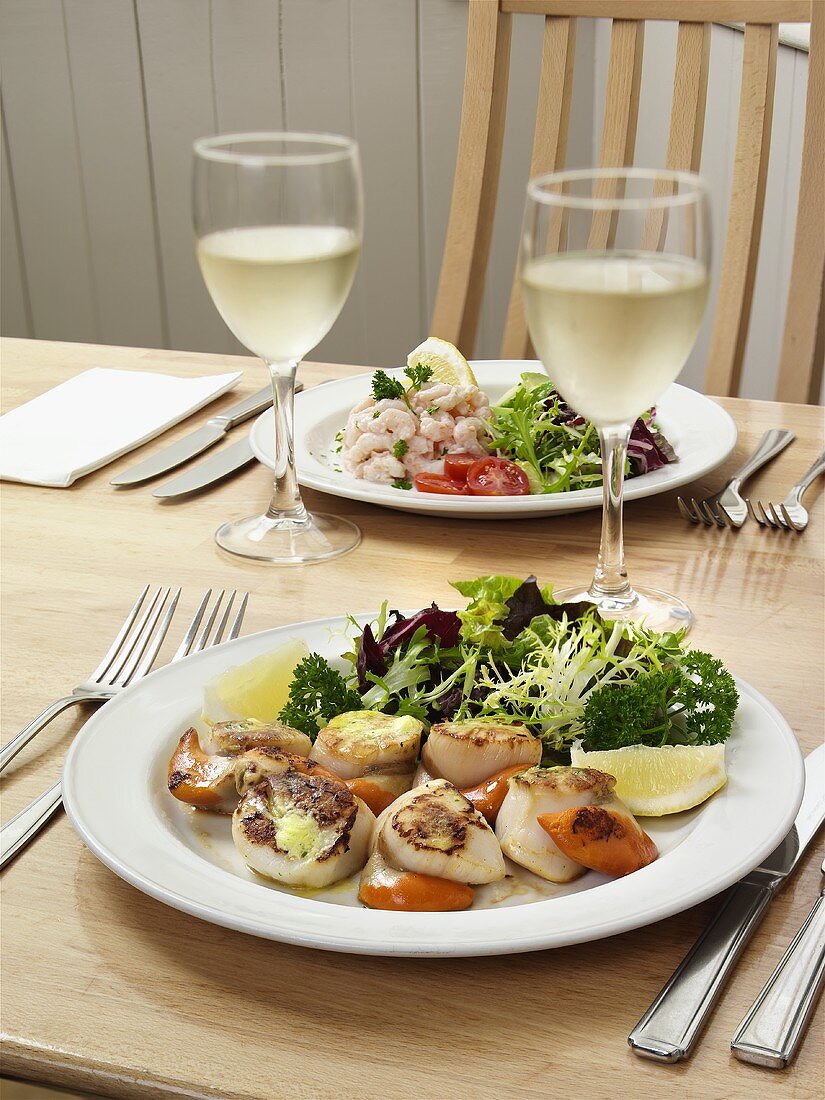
x=106 y=990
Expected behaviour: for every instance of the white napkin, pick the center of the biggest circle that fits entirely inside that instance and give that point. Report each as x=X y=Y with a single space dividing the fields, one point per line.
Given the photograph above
x=95 y=417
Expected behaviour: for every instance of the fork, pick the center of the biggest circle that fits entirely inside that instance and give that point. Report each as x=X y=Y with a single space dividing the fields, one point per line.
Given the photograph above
x=727 y=508
x=23 y=827
x=129 y=657
x=790 y=515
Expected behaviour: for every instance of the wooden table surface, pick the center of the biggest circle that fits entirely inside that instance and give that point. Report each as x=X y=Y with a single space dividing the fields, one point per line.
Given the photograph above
x=107 y=990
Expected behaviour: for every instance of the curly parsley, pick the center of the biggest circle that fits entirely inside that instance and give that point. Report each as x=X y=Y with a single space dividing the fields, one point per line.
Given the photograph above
x=317 y=693
x=402 y=483
x=400 y=448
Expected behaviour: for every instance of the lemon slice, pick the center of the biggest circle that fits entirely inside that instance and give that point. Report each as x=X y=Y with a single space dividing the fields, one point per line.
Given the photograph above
x=446 y=361
x=258 y=689
x=657 y=781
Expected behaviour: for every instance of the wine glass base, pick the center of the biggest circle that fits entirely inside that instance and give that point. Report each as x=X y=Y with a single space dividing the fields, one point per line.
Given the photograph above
x=316 y=537
x=646 y=607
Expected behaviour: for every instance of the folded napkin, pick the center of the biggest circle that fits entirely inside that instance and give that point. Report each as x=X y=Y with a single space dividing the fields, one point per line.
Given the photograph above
x=95 y=417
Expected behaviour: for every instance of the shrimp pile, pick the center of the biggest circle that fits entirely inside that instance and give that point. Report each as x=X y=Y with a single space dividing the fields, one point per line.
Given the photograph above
x=395 y=439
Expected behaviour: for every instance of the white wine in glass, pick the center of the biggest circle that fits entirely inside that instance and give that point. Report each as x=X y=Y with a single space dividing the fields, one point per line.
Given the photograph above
x=615 y=276
x=278 y=224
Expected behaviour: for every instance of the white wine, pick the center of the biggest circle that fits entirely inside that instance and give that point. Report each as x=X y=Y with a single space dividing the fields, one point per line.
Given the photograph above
x=613 y=329
x=279 y=288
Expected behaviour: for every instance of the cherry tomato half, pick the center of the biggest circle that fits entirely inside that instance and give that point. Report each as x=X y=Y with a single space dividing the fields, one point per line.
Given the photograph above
x=497 y=477
x=439 y=483
x=457 y=465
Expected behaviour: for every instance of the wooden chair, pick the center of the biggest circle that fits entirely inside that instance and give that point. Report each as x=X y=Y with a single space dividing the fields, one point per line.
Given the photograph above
x=461 y=283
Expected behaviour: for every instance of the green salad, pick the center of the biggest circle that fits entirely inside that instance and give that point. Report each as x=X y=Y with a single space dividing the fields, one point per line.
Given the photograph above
x=513 y=654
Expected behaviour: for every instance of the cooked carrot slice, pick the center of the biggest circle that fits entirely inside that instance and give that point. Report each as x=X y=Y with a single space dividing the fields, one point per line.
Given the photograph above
x=488 y=796
x=374 y=795
x=601 y=839
x=408 y=892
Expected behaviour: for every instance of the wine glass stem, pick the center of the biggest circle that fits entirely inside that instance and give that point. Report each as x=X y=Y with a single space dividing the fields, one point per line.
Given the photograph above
x=610 y=578
x=286 y=500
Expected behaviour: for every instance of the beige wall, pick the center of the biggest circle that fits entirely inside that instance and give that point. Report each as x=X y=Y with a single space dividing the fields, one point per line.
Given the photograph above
x=102 y=99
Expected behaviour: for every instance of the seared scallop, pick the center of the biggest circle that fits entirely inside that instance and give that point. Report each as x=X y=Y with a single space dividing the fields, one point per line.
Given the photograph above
x=359 y=740
x=385 y=887
x=303 y=830
x=434 y=830
x=546 y=791
x=201 y=780
x=467 y=752
x=253 y=766
x=231 y=738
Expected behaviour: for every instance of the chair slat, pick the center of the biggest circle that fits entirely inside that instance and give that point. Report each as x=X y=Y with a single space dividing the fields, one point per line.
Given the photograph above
x=803 y=355
x=469 y=231
x=549 y=150
x=687 y=120
x=750 y=170
x=693 y=11
x=621 y=114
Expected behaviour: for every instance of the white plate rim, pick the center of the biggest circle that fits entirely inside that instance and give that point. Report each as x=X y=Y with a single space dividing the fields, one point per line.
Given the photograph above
x=314 y=474
x=393 y=937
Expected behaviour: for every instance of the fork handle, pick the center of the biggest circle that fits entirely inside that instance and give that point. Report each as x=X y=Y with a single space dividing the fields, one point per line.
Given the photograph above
x=816 y=468
x=10 y=750
x=771 y=443
x=27 y=824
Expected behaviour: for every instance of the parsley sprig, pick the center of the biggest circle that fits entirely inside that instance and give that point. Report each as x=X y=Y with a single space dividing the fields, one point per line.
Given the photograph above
x=383 y=386
x=317 y=693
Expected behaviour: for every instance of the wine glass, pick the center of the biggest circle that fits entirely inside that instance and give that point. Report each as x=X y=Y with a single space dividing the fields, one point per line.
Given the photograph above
x=278 y=223
x=615 y=267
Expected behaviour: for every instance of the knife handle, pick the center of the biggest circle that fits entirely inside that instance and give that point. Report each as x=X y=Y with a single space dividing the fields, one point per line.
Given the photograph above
x=770 y=1032
x=671 y=1025
x=772 y=442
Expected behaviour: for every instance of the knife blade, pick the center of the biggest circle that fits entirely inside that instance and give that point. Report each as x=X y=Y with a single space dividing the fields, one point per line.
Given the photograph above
x=193 y=444
x=212 y=469
x=668 y=1030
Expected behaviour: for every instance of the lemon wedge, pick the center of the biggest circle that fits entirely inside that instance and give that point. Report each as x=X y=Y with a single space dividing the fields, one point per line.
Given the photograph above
x=446 y=361
x=657 y=781
x=258 y=689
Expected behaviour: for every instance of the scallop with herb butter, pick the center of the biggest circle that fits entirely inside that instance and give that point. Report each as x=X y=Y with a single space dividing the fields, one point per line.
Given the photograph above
x=358 y=741
x=303 y=829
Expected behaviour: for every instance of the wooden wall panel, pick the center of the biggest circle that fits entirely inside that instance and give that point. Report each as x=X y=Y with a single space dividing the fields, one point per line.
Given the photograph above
x=101 y=37
x=15 y=313
x=180 y=107
x=246 y=68
x=385 y=121
x=51 y=208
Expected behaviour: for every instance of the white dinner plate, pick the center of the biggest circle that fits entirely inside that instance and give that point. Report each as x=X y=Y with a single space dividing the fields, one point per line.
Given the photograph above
x=701 y=432
x=186 y=858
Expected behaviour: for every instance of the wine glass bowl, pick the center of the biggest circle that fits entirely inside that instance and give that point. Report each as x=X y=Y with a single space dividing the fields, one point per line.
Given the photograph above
x=278 y=224
x=615 y=269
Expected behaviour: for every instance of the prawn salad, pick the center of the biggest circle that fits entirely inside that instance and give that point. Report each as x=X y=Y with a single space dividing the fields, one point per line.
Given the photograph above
x=433 y=430
x=433 y=764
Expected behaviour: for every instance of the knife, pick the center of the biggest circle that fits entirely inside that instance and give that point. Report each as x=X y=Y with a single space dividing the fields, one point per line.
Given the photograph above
x=670 y=1027
x=214 y=468
x=772 y=1029
x=214 y=429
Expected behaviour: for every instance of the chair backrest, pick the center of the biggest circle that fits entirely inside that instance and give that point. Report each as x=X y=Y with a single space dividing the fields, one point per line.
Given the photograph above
x=461 y=283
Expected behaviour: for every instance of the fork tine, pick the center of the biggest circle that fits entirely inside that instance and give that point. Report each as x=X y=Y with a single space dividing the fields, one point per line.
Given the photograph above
x=728 y=521
x=698 y=512
x=121 y=634
x=769 y=520
x=224 y=618
x=753 y=512
x=186 y=643
x=143 y=640
x=686 y=512
x=777 y=517
x=116 y=668
x=157 y=641
x=709 y=506
x=204 y=634
x=236 y=626
x=790 y=520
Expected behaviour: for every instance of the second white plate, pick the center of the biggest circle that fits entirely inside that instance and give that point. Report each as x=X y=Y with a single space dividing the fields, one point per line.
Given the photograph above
x=701 y=432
